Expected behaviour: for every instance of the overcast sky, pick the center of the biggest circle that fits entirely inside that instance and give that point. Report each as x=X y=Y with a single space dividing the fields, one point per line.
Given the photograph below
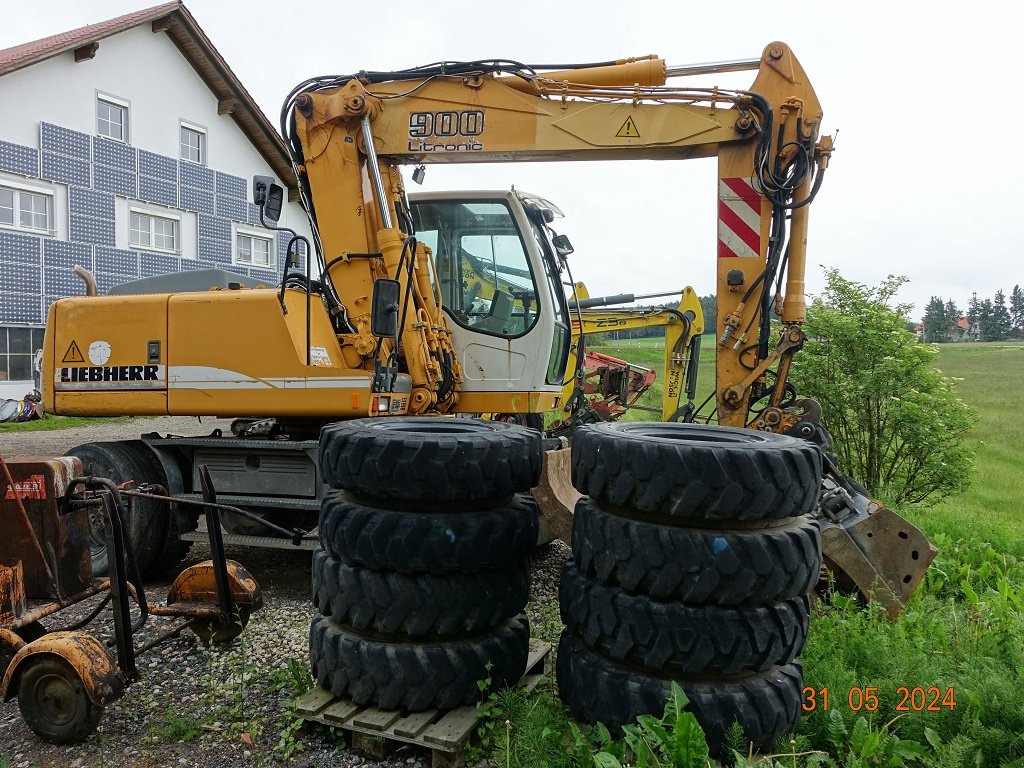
x=926 y=177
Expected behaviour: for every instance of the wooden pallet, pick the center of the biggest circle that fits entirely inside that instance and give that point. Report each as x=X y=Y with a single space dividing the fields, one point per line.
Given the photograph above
x=376 y=732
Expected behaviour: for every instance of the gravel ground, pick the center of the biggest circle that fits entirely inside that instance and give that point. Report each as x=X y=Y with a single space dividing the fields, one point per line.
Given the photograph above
x=224 y=705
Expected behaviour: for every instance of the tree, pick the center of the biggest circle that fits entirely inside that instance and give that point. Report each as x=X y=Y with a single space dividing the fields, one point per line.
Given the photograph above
x=1017 y=310
x=986 y=321
x=952 y=315
x=1001 y=322
x=974 y=316
x=709 y=307
x=934 y=321
x=897 y=425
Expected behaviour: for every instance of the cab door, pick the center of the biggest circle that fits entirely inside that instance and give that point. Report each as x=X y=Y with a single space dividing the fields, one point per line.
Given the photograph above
x=495 y=288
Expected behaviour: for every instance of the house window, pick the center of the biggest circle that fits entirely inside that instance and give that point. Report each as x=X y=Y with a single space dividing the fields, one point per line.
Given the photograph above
x=193 y=143
x=153 y=232
x=26 y=209
x=112 y=118
x=254 y=249
x=17 y=347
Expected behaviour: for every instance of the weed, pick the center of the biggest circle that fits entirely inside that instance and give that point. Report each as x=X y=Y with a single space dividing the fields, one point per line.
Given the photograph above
x=294 y=678
x=536 y=725
x=174 y=726
x=675 y=739
x=488 y=711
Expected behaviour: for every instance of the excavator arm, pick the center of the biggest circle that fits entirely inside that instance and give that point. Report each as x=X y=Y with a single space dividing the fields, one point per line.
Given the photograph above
x=347 y=130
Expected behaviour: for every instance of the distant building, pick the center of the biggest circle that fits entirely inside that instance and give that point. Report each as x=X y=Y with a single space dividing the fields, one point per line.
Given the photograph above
x=959 y=331
x=127 y=147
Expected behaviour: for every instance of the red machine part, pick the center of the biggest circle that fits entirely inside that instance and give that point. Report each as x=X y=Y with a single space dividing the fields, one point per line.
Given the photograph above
x=611 y=386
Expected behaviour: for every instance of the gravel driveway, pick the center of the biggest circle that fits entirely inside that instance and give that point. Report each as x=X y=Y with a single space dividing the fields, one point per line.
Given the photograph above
x=224 y=705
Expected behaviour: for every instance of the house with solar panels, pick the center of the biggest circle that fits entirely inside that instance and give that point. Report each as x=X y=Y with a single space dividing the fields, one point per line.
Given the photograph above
x=127 y=148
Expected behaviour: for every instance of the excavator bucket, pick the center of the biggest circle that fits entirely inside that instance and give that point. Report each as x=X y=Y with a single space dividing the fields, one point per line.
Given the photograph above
x=556 y=496
x=879 y=554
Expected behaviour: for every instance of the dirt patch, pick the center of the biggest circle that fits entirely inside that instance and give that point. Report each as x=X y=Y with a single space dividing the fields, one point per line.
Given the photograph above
x=57 y=442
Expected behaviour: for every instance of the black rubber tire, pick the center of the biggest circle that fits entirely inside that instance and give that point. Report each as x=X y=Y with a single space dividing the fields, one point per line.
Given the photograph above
x=595 y=689
x=427 y=542
x=147 y=525
x=54 y=702
x=174 y=550
x=699 y=566
x=680 y=639
x=396 y=606
x=429 y=459
x=671 y=472
x=416 y=676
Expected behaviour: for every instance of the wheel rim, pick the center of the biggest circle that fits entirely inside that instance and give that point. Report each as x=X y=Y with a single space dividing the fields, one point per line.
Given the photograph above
x=97 y=537
x=56 y=699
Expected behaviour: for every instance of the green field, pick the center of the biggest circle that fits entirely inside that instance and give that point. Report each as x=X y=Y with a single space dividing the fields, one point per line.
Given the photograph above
x=993 y=508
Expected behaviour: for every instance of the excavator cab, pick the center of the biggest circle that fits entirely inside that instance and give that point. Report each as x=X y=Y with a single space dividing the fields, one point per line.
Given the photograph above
x=497 y=273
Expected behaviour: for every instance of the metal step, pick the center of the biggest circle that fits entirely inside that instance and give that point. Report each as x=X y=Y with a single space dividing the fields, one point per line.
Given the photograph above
x=308 y=542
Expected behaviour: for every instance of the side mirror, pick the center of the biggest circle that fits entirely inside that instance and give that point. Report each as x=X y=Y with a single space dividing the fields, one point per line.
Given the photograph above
x=562 y=245
x=269 y=196
x=384 y=309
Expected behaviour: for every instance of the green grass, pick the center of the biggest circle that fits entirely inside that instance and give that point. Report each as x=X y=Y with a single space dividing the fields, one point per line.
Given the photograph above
x=56 y=422
x=988 y=376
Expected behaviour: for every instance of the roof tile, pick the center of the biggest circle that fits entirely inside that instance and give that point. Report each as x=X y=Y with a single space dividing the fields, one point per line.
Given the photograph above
x=29 y=53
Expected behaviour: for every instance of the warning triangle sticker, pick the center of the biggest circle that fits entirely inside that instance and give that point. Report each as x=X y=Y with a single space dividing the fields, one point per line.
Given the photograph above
x=73 y=355
x=628 y=130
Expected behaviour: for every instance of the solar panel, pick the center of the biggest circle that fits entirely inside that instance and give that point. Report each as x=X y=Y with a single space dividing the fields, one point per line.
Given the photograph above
x=20 y=277
x=231 y=186
x=230 y=208
x=105 y=282
x=213 y=227
x=18 y=308
x=158 y=191
x=62 y=282
x=123 y=183
x=152 y=264
x=270 y=278
x=18 y=159
x=113 y=153
x=57 y=138
x=217 y=251
x=68 y=170
x=158 y=166
x=64 y=254
x=197 y=177
x=117 y=261
x=21 y=248
x=88 y=202
x=90 y=230
x=195 y=200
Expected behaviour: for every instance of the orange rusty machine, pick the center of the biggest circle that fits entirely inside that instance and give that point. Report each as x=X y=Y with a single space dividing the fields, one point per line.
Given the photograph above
x=63 y=679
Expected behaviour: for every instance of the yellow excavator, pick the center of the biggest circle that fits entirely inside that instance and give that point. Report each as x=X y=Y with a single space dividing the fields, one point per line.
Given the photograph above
x=604 y=388
x=453 y=303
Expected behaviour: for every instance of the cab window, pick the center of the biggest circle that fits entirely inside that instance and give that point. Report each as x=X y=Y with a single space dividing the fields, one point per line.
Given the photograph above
x=481 y=264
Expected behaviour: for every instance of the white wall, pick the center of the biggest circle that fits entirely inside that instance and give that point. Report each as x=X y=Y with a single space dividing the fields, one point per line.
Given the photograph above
x=148 y=71
x=162 y=89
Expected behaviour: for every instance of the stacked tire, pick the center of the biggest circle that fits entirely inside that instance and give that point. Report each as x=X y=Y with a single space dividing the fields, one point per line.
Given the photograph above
x=693 y=558
x=422 y=573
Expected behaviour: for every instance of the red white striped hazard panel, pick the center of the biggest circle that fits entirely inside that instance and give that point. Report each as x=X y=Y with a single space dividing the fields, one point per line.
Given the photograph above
x=739 y=218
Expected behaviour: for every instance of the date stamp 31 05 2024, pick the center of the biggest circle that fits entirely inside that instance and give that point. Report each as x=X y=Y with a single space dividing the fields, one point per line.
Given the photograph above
x=866 y=699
